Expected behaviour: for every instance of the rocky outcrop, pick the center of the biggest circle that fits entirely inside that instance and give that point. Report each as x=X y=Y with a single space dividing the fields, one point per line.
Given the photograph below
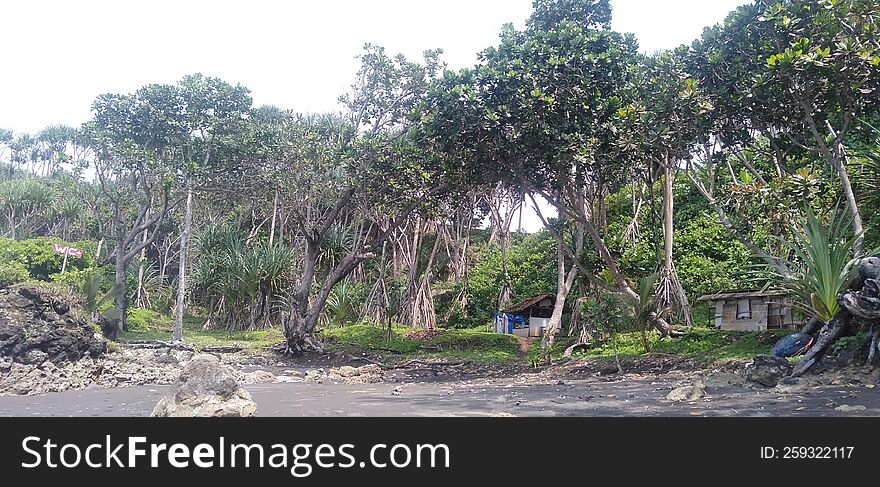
x=123 y=368
x=39 y=325
x=206 y=388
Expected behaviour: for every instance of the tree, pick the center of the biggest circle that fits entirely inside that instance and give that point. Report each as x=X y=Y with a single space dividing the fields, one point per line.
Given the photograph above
x=210 y=109
x=359 y=170
x=541 y=114
x=133 y=165
x=787 y=81
x=662 y=129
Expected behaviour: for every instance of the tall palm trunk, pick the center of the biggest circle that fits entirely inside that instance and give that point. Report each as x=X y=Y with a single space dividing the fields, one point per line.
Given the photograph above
x=179 y=308
x=670 y=290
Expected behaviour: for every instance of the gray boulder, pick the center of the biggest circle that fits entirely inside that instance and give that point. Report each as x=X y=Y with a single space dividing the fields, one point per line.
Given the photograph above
x=766 y=370
x=206 y=388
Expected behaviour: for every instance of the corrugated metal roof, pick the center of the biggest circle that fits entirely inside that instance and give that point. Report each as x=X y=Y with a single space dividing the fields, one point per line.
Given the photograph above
x=742 y=294
x=528 y=303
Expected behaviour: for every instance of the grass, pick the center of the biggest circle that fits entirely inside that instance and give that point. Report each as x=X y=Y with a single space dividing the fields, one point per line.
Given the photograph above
x=703 y=343
x=150 y=325
x=474 y=345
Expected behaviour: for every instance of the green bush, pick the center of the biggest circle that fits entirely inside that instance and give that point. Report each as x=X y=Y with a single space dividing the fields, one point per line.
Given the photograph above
x=140 y=319
x=37 y=257
x=12 y=272
x=531 y=264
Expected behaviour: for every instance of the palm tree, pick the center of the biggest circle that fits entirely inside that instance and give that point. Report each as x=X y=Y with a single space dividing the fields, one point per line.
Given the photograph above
x=645 y=313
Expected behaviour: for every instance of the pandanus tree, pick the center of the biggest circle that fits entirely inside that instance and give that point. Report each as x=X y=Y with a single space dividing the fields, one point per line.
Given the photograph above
x=541 y=113
x=661 y=129
x=358 y=170
x=240 y=280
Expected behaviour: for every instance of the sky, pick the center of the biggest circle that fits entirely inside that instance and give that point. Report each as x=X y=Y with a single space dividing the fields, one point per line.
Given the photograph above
x=295 y=54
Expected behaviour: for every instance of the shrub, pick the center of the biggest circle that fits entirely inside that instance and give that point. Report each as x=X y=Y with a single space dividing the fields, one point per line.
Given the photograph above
x=37 y=257
x=12 y=272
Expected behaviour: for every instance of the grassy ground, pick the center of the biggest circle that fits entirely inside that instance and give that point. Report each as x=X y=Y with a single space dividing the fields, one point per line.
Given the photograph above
x=474 y=345
x=149 y=325
x=703 y=343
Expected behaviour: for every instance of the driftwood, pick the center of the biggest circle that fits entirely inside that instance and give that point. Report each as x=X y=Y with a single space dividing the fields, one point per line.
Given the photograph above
x=427 y=365
x=862 y=301
x=222 y=349
x=577 y=346
x=156 y=344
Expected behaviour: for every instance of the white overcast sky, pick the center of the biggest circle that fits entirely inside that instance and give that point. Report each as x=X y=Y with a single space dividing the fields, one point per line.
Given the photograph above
x=297 y=54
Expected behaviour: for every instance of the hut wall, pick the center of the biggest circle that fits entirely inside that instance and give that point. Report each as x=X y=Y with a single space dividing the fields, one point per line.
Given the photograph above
x=757 y=321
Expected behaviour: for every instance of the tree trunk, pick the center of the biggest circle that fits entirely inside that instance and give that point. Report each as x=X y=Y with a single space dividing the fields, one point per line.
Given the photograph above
x=141 y=300
x=504 y=295
x=670 y=289
x=120 y=311
x=180 y=306
x=851 y=203
x=274 y=217
x=829 y=334
x=299 y=328
x=563 y=287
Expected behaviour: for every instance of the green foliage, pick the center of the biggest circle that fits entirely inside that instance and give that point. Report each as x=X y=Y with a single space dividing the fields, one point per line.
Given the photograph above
x=241 y=281
x=23 y=203
x=707 y=259
x=141 y=320
x=153 y=326
x=342 y=305
x=12 y=272
x=531 y=264
x=478 y=346
x=41 y=262
x=824 y=266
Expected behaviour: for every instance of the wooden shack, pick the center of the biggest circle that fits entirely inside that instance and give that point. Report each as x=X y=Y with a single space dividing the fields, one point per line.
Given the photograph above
x=752 y=310
x=526 y=318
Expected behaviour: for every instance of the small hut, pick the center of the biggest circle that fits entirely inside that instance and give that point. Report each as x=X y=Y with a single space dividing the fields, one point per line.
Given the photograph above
x=752 y=310
x=526 y=318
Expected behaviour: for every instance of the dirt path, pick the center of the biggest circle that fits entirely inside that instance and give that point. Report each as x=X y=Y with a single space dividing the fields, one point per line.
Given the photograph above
x=523 y=395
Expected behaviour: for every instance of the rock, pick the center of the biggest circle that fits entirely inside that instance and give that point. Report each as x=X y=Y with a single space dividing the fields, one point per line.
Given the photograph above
x=845 y=408
x=367 y=374
x=34 y=357
x=260 y=377
x=37 y=324
x=791 y=385
x=687 y=393
x=206 y=388
x=719 y=379
x=766 y=370
x=183 y=355
x=346 y=371
x=842 y=355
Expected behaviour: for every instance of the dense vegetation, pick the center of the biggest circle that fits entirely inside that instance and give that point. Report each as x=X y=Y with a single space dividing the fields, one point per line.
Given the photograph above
x=672 y=176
